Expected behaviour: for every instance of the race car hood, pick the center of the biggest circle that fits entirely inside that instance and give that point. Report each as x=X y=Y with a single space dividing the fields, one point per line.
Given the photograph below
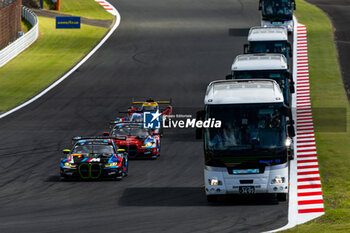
x=130 y=140
x=88 y=158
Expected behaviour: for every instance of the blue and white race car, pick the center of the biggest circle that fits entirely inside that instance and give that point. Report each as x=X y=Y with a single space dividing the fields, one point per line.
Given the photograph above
x=94 y=158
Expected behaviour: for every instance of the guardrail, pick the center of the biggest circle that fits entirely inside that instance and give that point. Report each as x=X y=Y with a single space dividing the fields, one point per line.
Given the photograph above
x=16 y=47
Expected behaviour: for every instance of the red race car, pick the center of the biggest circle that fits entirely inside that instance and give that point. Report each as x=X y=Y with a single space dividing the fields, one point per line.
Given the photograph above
x=139 y=143
x=135 y=112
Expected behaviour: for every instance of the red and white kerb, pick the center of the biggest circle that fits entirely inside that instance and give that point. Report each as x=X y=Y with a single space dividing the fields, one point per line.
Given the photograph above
x=309 y=192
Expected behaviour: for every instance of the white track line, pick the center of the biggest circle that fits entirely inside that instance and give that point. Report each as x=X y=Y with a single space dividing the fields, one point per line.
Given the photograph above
x=115 y=26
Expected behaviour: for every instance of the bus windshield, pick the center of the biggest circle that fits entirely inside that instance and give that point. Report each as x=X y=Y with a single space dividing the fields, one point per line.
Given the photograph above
x=277 y=9
x=268 y=47
x=246 y=127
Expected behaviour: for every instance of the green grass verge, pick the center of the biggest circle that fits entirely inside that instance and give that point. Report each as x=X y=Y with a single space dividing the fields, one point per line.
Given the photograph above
x=327 y=91
x=85 y=8
x=55 y=52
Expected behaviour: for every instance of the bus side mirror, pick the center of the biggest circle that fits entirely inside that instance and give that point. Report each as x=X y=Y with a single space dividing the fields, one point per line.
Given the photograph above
x=200 y=117
x=291 y=131
x=291 y=87
x=229 y=76
x=260 y=7
x=290 y=51
x=245 y=48
x=285 y=111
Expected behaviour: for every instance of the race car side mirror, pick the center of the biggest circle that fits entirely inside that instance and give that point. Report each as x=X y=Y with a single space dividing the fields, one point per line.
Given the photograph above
x=66 y=151
x=245 y=48
x=105 y=133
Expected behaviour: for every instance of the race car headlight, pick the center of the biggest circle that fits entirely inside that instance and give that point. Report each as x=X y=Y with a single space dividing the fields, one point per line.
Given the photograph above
x=111 y=164
x=278 y=180
x=215 y=181
x=69 y=165
x=149 y=144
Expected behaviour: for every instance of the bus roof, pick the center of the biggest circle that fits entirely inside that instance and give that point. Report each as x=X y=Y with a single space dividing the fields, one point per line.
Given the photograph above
x=268 y=34
x=243 y=92
x=261 y=61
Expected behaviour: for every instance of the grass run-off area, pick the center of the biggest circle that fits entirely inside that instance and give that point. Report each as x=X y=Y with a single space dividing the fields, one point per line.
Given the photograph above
x=84 y=8
x=53 y=54
x=327 y=92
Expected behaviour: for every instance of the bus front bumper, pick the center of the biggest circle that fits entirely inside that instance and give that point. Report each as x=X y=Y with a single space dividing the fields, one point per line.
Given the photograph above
x=219 y=182
x=288 y=24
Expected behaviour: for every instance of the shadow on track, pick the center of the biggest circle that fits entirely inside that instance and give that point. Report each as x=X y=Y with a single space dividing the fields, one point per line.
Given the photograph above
x=55 y=179
x=187 y=196
x=238 y=32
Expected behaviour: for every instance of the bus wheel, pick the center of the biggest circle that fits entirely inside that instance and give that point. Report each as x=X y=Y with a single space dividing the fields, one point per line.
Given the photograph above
x=212 y=198
x=282 y=196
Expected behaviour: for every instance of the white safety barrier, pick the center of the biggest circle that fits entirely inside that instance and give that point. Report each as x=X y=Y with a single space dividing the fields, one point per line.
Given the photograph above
x=16 y=47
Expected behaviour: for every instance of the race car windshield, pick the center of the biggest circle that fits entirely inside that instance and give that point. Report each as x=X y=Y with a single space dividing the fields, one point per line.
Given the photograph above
x=149 y=108
x=93 y=149
x=130 y=131
x=277 y=9
x=136 y=118
x=268 y=47
x=246 y=127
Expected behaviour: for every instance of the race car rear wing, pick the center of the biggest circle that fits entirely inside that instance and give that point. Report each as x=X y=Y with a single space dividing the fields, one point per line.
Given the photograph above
x=77 y=138
x=151 y=100
x=126 y=122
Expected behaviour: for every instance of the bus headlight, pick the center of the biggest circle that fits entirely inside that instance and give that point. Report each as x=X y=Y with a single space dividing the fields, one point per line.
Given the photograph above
x=288 y=142
x=278 y=180
x=215 y=181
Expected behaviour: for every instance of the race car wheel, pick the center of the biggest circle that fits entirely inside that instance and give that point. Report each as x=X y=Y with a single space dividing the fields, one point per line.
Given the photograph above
x=126 y=171
x=62 y=176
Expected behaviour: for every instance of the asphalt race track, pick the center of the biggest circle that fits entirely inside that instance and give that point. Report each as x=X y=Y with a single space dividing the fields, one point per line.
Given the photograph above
x=163 y=49
x=338 y=10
